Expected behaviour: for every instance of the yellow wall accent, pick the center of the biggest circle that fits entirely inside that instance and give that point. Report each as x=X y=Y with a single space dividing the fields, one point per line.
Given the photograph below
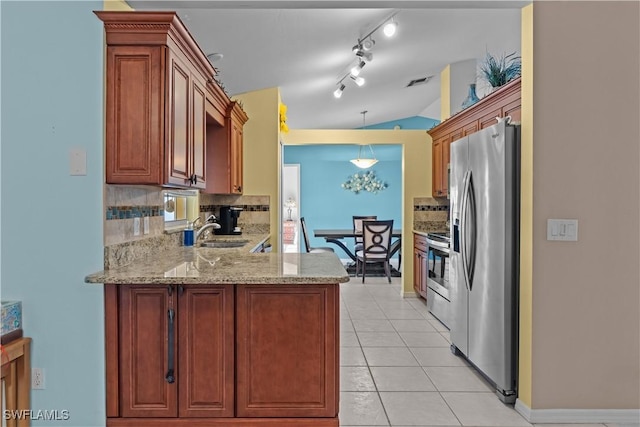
x=526 y=210
x=416 y=172
x=116 y=5
x=445 y=93
x=261 y=151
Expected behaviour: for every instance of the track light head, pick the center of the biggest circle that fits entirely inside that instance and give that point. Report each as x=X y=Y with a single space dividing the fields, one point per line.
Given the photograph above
x=368 y=44
x=390 y=28
x=359 y=80
x=356 y=69
x=338 y=92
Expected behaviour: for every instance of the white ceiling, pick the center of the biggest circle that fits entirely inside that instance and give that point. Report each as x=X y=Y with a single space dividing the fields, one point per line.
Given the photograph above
x=305 y=51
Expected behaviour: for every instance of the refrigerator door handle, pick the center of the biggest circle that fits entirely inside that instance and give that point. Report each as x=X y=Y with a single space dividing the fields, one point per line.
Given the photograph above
x=471 y=231
x=463 y=221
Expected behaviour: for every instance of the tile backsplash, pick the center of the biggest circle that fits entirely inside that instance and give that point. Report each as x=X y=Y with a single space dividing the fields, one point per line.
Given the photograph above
x=123 y=203
x=430 y=214
x=255 y=215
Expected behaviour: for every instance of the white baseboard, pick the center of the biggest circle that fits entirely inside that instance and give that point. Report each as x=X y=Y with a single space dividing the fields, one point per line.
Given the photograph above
x=628 y=417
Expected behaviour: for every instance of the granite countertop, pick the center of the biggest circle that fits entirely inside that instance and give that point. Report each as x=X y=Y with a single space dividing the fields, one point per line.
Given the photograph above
x=200 y=265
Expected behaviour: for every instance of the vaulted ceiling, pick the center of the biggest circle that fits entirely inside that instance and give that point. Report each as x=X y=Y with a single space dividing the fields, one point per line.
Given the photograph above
x=305 y=48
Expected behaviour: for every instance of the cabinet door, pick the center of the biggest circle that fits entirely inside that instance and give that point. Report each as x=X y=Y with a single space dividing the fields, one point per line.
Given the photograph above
x=444 y=179
x=145 y=352
x=287 y=351
x=424 y=273
x=236 y=156
x=417 y=274
x=489 y=119
x=206 y=351
x=198 y=126
x=470 y=128
x=178 y=149
x=134 y=115
x=513 y=109
x=436 y=162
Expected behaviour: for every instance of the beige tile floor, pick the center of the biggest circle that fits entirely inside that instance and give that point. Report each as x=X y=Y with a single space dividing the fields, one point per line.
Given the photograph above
x=397 y=369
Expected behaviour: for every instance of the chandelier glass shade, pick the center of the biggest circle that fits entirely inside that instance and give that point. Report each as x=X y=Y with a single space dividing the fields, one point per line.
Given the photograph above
x=364 y=162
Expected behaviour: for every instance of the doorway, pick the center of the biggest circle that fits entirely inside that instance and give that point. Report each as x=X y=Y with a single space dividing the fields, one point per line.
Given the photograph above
x=291 y=208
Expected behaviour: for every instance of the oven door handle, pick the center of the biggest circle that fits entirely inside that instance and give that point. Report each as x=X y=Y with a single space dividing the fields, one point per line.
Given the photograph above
x=441 y=246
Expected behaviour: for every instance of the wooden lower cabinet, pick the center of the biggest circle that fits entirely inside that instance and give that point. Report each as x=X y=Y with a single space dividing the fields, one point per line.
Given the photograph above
x=206 y=351
x=420 y=265
x=287 y=360
x=214 y=355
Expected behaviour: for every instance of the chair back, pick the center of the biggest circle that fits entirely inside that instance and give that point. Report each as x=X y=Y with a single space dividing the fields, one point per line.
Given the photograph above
x=377 y=239
x=357 y=225
x=303 y=225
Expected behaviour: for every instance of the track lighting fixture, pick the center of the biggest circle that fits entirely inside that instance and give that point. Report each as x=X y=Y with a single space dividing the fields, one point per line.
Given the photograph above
x=362 y=50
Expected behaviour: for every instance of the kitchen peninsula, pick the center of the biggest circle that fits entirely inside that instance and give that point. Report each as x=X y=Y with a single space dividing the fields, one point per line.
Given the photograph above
x=213 y=337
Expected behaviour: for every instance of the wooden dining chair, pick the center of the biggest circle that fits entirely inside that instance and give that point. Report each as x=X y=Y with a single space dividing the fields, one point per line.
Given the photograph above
x=376 y=246
x=357 y=228
x=307 y=246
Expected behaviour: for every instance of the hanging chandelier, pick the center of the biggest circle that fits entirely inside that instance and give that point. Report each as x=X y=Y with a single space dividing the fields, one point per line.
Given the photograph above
x=364 y=162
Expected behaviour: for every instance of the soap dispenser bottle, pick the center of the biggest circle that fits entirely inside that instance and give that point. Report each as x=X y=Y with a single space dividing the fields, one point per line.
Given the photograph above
x=188 y=234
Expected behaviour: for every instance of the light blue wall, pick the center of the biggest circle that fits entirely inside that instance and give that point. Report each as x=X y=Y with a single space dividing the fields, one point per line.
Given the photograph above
x=415 y=122
x=325 y=204
x=52 y=100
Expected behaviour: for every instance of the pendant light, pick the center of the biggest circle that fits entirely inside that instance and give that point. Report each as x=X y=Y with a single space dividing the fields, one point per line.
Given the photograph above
x=363 y=162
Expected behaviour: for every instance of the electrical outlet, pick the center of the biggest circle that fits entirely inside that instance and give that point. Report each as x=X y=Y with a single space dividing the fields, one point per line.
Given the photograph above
x=37 y=379
x=136 y=226
x=145 y=225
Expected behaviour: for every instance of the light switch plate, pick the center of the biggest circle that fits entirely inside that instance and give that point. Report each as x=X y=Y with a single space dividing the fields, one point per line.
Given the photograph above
x=77 y=161
x=562 y=229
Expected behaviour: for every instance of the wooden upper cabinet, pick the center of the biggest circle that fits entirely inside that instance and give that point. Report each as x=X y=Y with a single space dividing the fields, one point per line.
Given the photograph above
x=436 y=171
x=504 y=101
x=157 y=79
x=135 y=106
x=225 y=147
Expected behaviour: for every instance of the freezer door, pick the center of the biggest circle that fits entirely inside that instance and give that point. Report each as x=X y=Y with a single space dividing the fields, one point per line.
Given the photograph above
x=490 y=296
x=458 y=321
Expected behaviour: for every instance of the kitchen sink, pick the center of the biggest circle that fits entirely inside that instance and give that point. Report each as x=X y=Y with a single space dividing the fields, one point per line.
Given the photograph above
x=219 y=244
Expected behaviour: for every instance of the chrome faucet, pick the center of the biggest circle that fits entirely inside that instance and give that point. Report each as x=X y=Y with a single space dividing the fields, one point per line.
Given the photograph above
x=210 y=225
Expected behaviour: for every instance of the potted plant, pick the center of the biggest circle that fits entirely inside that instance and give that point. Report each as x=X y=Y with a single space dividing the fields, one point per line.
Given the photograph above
x=501 y=70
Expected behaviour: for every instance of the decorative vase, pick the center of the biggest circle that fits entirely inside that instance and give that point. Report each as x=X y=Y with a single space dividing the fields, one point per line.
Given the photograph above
x=471 y=98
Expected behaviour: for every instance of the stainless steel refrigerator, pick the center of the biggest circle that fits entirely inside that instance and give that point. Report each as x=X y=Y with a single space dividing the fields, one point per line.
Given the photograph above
x=484 y=254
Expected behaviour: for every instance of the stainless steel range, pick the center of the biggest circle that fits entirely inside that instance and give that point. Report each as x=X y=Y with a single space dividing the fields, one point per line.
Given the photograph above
x=438 y=299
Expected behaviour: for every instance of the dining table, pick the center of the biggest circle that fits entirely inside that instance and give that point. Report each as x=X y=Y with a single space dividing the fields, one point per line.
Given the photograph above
x=337 y=236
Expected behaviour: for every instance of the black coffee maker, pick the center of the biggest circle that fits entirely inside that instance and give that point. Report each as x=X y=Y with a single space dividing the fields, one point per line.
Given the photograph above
x=228 y=220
